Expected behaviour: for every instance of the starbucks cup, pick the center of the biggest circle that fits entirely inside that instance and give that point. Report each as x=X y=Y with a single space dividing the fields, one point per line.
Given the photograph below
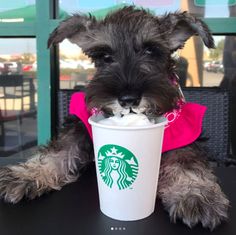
x=127 y=166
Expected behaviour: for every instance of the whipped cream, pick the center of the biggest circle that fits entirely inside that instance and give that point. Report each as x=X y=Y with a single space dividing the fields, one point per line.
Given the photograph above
x=130 y=119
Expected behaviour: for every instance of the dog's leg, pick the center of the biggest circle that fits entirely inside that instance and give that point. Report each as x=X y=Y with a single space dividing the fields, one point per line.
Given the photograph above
x=189 y=190
x=54 y=165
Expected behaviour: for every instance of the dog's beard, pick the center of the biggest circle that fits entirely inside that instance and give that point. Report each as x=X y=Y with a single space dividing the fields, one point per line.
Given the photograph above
x=117 y=109
x=156 y=93
x=150 y=109
x=153 y=105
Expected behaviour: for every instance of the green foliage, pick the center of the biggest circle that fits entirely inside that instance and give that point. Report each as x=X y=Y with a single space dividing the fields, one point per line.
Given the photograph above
x=216 y=54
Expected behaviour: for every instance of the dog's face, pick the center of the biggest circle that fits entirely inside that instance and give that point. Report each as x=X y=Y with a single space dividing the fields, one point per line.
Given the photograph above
x=132 y=51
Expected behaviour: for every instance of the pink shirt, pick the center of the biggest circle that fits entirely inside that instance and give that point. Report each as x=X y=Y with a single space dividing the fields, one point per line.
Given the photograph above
x=183 y=128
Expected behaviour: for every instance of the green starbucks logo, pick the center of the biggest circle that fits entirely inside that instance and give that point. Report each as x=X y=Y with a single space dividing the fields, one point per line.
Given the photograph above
x=117 y=165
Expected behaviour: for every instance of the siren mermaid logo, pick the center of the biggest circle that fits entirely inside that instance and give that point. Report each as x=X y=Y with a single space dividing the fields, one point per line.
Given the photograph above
x=117 y=165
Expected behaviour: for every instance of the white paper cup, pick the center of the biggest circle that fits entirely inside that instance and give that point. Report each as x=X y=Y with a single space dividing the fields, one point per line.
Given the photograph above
x=127 y=165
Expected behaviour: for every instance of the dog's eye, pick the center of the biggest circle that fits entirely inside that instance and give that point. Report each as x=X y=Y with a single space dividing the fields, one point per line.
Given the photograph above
x=103 y=58
x=149 y=51
x=107 y=58
x=100 y=57
x=153 y=50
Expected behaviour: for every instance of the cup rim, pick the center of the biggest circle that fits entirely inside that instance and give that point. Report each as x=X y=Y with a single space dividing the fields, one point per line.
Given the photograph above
x=92 y=122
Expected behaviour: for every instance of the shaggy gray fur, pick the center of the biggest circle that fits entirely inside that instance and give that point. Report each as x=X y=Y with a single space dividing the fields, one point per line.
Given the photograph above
x=189 y=190
x=132 y=51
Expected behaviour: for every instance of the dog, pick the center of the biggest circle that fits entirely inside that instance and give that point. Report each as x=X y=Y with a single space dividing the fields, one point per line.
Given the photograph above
x=132 y=52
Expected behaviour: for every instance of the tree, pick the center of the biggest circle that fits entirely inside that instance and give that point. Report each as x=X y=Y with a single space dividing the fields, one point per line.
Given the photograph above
x=2 y=59
x=216 y=54
x=28 y=58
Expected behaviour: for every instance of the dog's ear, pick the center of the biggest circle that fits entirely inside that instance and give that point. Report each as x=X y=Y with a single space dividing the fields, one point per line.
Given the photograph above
x=73 y=28
x=179 y=27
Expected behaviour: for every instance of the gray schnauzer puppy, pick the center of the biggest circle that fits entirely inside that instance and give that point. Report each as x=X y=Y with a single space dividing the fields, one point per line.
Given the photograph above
x=132 y=51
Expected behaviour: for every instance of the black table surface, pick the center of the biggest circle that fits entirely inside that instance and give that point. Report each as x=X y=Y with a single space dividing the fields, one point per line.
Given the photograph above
x=75 y=210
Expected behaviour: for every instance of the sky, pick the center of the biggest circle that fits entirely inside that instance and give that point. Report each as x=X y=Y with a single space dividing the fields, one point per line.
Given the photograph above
x=13 y=4
x=17 y=46
x=214 y=8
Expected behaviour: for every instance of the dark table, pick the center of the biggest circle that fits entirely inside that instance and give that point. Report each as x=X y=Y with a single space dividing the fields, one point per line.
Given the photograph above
x=75 y=211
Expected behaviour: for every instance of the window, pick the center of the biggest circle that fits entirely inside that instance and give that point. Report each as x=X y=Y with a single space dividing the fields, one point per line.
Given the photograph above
x=76 y=69
x=200 y=66
x=213 y=68
x=18 y=96
x=201 y=8
x=196 y=65
x=205 y=67
x=17 y=11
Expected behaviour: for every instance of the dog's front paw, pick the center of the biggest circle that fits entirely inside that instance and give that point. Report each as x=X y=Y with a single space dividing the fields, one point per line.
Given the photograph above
x=13 y=187
x=207 y=206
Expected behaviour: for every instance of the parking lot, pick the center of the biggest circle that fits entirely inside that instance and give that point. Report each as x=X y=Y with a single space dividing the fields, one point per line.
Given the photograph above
x=212 y=79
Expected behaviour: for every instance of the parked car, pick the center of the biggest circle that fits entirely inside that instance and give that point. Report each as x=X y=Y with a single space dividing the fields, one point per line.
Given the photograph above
x=86 y=64
x=68 y=64
x=214 y=66
x=1 y=68
x=206 y=64
x=34 y=66
x=12 y=66
x=5 y=68
x=27 y=67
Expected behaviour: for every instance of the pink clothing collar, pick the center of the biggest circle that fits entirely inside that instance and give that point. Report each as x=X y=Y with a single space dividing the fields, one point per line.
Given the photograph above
x=183 y=128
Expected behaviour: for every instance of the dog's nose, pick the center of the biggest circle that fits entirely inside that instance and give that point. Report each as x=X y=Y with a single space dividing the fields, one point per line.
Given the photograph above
x=129 y=100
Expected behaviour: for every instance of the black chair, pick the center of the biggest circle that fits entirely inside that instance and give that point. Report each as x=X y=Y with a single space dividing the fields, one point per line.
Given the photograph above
x=14 y=88
x=216 y=124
